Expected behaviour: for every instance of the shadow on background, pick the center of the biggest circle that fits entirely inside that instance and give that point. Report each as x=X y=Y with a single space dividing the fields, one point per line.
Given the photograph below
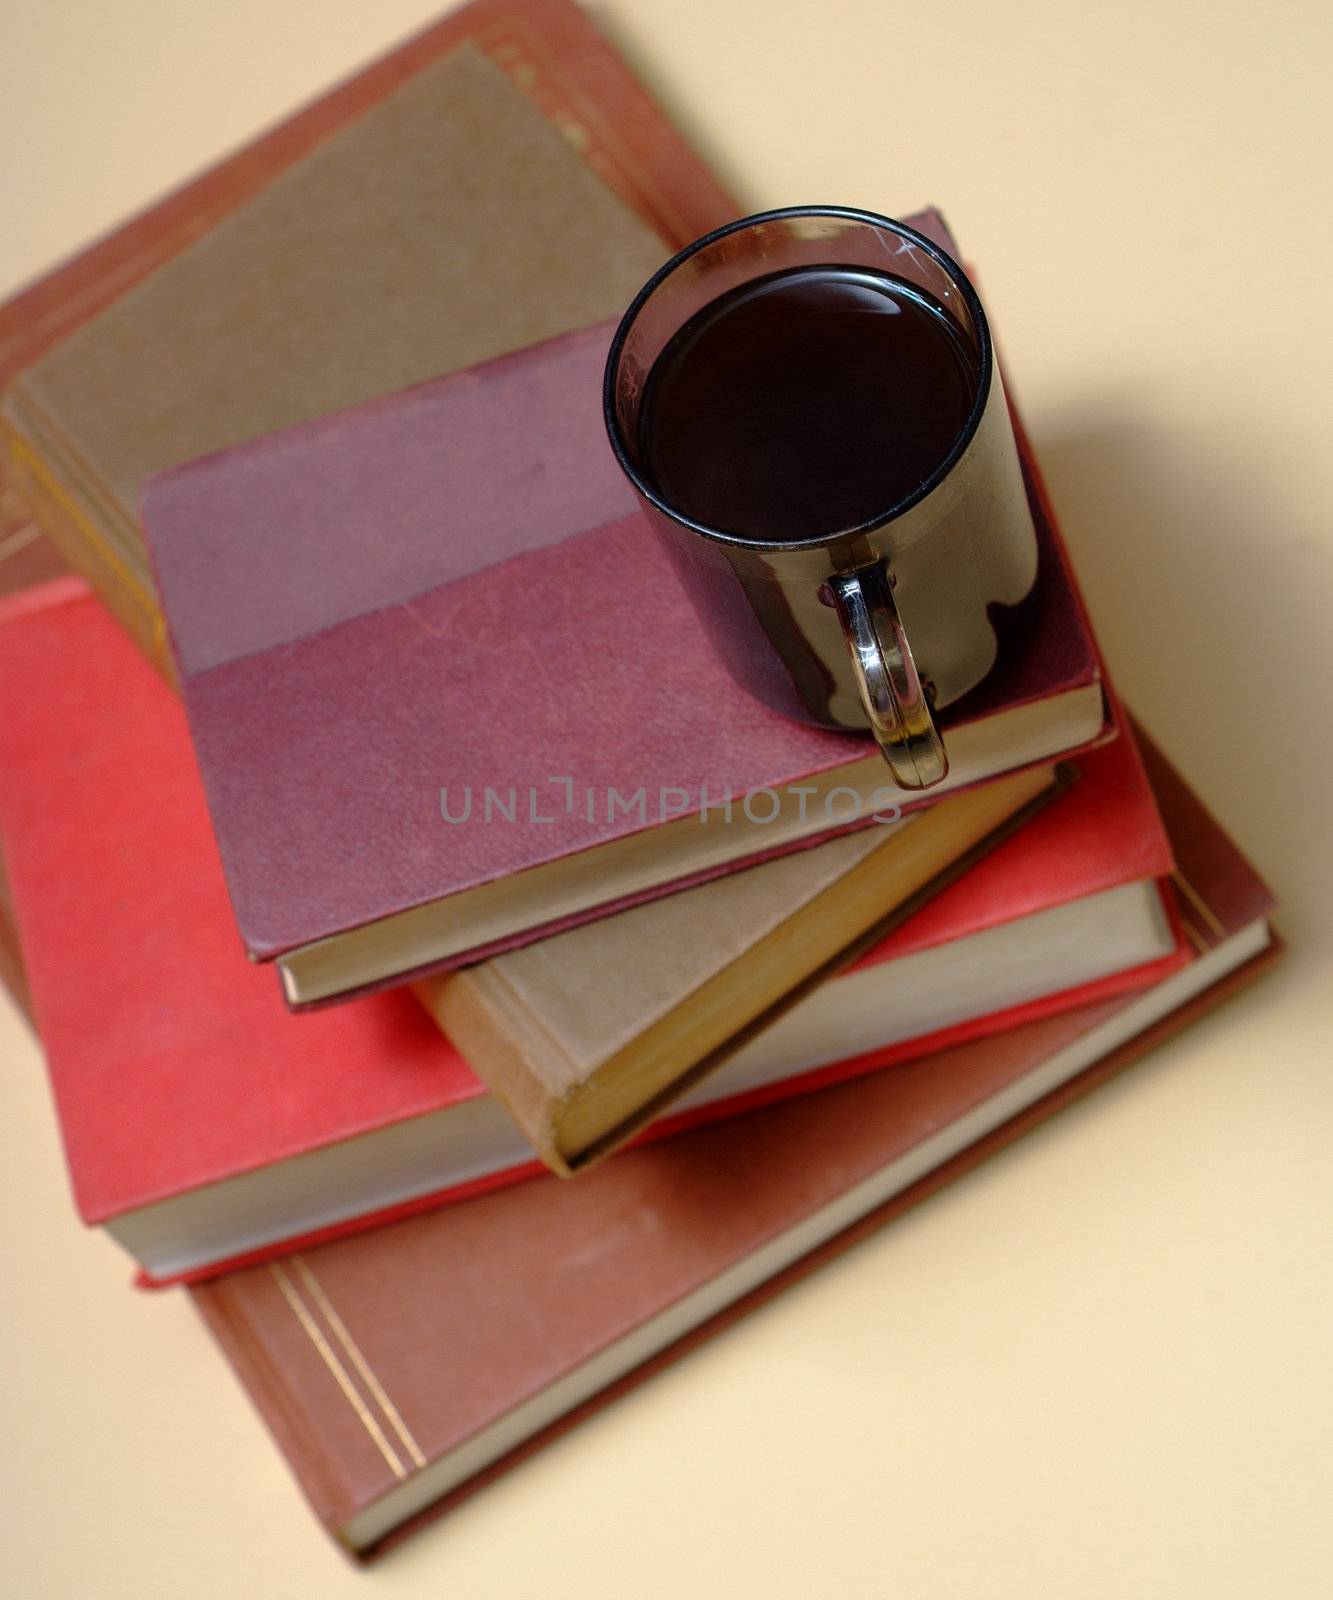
x=1210 y=612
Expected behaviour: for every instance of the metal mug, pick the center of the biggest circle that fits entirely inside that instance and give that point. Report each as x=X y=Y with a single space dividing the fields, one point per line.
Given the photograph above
x=877 y=625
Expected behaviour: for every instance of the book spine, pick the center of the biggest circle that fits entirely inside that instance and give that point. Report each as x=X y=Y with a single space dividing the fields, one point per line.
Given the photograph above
x=521 y=1064
x=86 y=548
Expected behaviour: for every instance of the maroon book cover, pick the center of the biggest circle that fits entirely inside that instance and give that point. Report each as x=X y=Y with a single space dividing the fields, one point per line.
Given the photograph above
x=400 y=1369
x=449 y=591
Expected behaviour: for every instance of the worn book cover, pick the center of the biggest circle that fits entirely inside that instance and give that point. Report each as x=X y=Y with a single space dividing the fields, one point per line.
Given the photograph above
x=453 y=586
x=401 y=1369
x=487 y=195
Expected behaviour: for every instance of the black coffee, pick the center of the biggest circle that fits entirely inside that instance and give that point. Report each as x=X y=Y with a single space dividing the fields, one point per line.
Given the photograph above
x=805 y=402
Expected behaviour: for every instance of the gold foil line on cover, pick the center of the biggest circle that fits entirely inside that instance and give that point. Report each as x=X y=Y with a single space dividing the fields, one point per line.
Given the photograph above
x=355 y=1355
x=1194 y=936
x=336 y=1368
x=1199 y=903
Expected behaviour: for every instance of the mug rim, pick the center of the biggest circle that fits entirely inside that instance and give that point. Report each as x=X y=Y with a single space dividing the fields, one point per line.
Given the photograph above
x=900 y=507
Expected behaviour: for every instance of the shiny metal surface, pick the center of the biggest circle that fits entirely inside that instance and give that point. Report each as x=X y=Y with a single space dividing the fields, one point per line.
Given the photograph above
x=892 y=693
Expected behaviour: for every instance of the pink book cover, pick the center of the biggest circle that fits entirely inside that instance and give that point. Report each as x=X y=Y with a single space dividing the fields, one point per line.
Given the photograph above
x=451 y=589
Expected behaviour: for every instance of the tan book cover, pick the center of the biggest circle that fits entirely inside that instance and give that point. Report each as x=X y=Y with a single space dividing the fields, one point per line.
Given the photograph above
x=450 y=223
x=588 y=1035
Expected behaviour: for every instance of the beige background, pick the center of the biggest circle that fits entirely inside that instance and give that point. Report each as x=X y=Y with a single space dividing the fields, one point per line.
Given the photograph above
x=1099 y=1367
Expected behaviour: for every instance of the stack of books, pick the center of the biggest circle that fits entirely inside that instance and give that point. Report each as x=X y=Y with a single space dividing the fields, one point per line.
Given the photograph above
x=383 y=839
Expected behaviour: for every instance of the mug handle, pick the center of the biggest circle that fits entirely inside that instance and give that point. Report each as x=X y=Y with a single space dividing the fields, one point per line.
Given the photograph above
x=892 y=693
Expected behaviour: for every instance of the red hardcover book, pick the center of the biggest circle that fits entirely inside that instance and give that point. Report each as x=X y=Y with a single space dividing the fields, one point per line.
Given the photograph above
x=400 y=1370
x=200 y=1120
x=461 y=572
